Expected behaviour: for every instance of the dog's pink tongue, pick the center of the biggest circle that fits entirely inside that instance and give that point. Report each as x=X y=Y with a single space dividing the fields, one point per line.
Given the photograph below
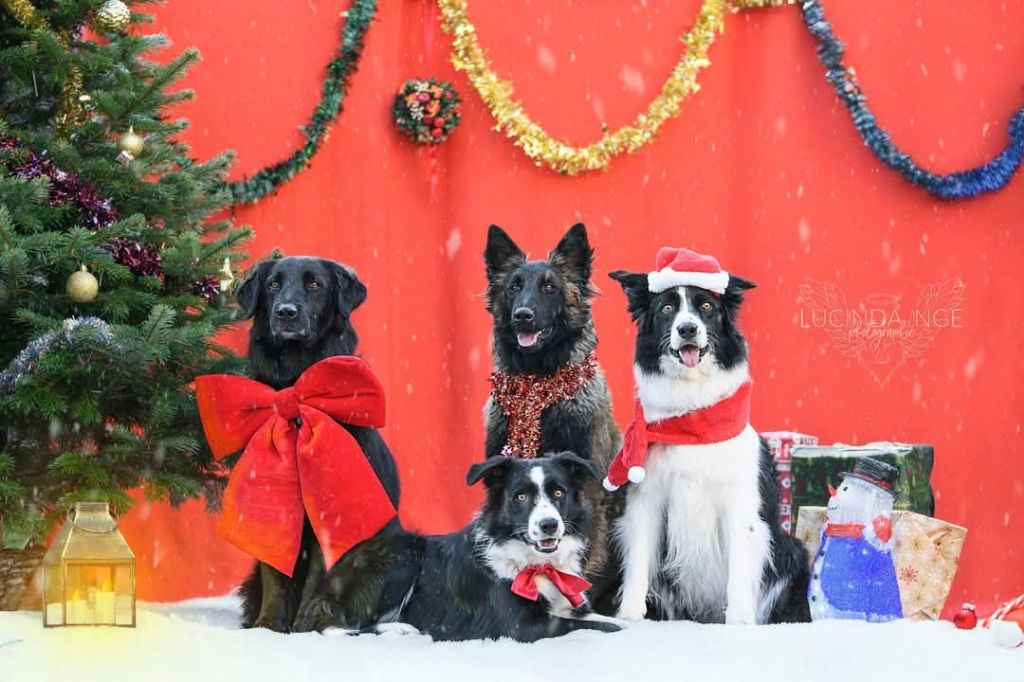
x=527 y=339
x=690 y=355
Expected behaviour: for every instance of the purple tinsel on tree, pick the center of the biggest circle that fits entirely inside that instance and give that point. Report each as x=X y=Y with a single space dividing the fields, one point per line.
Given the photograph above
x=143 y=259
x=208 y=287
x=65 y=187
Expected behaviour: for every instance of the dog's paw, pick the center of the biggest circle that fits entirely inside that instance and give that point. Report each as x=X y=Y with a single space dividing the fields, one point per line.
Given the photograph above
x=739 y=616
x=271 y=622
x=398 y=629
x=630 y=611
x=316 y=615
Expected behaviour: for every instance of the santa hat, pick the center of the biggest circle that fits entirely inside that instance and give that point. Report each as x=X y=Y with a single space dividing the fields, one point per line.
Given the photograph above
x=682 y=267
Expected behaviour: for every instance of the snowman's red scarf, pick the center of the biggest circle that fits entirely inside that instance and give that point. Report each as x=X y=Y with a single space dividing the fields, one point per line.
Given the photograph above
x=712 y=424
x=524 y=397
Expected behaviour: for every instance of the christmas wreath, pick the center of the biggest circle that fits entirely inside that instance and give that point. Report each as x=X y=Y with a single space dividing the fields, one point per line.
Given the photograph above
x=427 y=111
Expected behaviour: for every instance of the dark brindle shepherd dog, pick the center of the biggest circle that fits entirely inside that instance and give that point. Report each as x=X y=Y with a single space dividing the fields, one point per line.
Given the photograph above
x=542 y=324
x=300 y=308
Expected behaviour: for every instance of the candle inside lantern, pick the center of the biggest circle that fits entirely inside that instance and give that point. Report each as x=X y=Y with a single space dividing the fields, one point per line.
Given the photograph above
x=106 y=605
x=55 y=614
x=78 y=610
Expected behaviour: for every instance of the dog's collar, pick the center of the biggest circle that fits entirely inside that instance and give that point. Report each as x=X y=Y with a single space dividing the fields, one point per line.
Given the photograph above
x=524 y=397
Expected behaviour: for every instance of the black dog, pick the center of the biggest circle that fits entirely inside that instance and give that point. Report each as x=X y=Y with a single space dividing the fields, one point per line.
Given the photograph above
x=300 y=308
x=459 y=586
x=542 y=326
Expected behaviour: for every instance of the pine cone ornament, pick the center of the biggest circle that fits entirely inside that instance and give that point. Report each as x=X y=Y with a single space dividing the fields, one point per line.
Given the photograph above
x=113 y=17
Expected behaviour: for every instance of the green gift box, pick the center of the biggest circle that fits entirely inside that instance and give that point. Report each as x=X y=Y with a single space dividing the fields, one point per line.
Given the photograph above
x=816 y=467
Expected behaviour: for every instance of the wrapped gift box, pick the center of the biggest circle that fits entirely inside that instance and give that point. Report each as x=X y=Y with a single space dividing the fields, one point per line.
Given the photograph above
x=779 y=444
x=816 y=467
x=926 y=552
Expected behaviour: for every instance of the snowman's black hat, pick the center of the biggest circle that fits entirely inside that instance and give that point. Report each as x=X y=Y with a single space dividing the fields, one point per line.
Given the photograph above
x=876 y=472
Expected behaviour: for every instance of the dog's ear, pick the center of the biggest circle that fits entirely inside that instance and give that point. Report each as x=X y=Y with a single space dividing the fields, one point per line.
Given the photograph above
x=492 y=470
x=501 y=253
x=349 y=290
x=638 y=294
x=580 y=468
x=248 y=292
x=733 y=296
x=574 y=254
x=737 y=285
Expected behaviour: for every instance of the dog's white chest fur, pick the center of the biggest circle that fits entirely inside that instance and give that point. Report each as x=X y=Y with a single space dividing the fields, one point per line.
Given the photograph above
x=697 y=485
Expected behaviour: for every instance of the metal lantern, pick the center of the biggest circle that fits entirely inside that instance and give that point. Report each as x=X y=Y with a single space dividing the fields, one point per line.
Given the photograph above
x=89 y=571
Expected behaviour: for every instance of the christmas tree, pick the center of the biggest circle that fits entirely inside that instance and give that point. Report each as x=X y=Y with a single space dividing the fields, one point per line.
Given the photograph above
x=114 y=264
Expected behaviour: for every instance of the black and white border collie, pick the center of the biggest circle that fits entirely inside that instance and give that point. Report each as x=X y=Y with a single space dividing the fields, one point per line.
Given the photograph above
x=460 y=586
x=700 y=538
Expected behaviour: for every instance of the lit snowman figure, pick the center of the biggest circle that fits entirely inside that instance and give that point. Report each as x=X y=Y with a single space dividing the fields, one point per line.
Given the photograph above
x=853 y=575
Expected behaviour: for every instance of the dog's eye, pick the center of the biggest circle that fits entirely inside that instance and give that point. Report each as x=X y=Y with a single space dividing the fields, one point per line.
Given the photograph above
x=557 y=492
x=667 y=308
x=274 y=285
x=548 y=288
x=705 y=306
x=313 y=285
x=515 y=287
x=521 y=497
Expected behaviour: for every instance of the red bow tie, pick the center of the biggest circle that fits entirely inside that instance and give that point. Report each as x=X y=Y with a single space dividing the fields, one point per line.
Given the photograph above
x=289 y=472
x=571 y=586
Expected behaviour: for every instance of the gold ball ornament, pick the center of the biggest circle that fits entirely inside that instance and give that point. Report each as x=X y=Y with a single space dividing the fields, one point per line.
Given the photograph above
x=113 y=17
x=82 y=286
x=131 y=142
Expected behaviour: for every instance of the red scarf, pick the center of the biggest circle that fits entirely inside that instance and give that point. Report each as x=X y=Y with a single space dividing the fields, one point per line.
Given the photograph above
x=524 y=397
x=713 y=424
x=570 y=585
x=288 y=472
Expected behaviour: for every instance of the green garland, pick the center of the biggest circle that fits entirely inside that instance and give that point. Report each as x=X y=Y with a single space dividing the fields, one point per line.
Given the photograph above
x=339 y=72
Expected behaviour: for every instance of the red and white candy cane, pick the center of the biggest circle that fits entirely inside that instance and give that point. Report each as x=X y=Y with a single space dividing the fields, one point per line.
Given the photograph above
x=1005 y=609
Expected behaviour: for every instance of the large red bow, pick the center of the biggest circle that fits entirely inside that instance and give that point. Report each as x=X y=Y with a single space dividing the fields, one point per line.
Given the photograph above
x=290 y=471
x=571 y=586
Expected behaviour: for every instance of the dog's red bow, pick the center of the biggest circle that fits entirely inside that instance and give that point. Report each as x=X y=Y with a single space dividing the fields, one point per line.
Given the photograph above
x=288 y=471
x=571 y=586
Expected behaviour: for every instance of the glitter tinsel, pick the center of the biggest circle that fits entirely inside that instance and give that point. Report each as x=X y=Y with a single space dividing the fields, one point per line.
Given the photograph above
x=208 y=287
x=143 y=259
x=65 y=187
x=71 y=332
x=512 y=119
x=967 y=183
x=524 y=397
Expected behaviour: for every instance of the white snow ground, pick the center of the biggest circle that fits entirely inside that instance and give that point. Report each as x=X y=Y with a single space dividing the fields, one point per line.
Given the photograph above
x=199 y=640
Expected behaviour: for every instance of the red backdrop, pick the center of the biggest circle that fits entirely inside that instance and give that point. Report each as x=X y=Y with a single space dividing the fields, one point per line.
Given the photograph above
x=763 y=168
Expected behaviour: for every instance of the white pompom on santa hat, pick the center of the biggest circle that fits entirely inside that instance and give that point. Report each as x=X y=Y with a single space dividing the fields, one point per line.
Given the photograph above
x=676 y=267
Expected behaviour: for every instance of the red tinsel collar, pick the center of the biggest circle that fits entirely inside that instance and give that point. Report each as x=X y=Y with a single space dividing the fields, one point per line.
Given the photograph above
x=524 y=397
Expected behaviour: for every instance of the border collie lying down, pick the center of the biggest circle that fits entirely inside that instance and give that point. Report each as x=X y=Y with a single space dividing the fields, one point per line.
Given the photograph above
x=700 y=538
x=514 y=570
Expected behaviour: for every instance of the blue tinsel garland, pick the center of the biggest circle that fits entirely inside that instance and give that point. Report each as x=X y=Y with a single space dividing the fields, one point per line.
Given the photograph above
x=69 y=334
x=968 y=183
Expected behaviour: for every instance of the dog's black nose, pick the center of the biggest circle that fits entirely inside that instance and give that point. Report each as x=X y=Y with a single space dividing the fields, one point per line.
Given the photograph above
x=286 y=310
x=548 y=526
x=687 y=330
x=523 y=315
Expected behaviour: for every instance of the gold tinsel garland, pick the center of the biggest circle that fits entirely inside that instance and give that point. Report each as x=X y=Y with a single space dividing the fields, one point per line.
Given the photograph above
x=70 y=105
x=512 y=119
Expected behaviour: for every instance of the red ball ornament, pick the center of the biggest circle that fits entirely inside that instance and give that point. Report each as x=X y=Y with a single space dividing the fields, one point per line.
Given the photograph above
x=428 y=121
x=966 y=619
x=439 y=122
x=437 y=132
